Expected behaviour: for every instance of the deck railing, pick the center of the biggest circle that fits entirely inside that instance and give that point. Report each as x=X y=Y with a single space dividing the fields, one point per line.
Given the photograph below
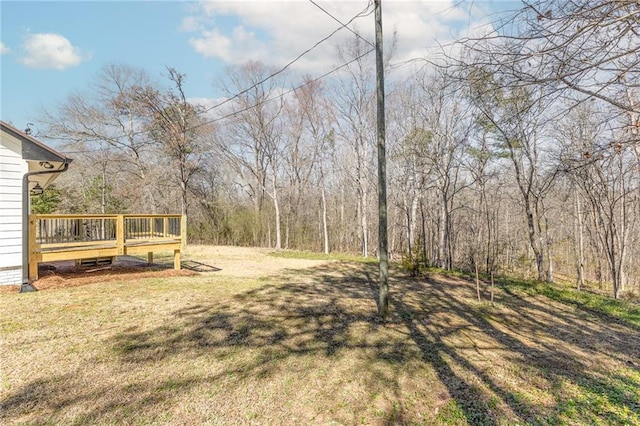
x=77 y=237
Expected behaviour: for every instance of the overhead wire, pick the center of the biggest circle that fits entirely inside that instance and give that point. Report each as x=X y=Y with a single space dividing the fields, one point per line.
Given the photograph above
x=363 y=13
x=280 y=71
x=440 y=47
x=345 y=25
x=279 y=96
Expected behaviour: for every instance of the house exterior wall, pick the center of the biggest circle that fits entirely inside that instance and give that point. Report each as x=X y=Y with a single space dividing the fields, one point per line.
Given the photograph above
x=12 y=169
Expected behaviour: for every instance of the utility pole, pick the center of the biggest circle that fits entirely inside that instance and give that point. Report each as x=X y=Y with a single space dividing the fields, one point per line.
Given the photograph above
x=383 y=299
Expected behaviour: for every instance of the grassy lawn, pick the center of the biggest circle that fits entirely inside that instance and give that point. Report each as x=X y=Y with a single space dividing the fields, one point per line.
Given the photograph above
x=279 y=340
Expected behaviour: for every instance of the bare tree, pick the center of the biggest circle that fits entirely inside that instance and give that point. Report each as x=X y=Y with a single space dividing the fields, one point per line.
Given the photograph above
x=107 y=118
x=178 y=127
x=482 y=218
x=354 y=97
x=448 y=121
x=587 y=48
x=254 y=138
x=317 y=118
x=515 y=120
x=604 y=171
x=409 y=170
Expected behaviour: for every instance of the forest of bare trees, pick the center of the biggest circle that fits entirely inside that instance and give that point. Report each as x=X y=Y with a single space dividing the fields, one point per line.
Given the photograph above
x=518 y=153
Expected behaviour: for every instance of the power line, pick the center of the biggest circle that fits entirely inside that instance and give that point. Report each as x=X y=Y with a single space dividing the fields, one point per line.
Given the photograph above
x=231 y=114
x=280 y=96
x=439 y=46
x=345 y=25
x=363 y=13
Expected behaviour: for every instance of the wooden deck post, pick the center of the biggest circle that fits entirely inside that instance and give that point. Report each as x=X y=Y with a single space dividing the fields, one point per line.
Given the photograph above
x=183 y=230
x=120 y=234
x=33 y=260
x=176 y=259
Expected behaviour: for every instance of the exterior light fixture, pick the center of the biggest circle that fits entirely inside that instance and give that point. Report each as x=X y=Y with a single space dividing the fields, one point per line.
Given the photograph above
x=47 y=165
x=37 y=190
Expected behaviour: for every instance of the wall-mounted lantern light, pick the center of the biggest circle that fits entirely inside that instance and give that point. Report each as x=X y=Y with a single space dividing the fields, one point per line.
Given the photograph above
x=37 y=190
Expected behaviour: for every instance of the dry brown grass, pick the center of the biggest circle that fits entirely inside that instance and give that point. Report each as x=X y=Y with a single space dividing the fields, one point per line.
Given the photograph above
x=269 y=340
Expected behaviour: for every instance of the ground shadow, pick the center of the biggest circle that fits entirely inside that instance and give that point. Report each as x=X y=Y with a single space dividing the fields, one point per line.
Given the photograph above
x=549 y=342
x=122 y=264
x=488 y=364
x=63 y=274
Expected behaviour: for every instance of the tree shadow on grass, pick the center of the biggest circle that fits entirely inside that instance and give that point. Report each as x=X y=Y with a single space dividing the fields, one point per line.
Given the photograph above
x=554 y=351
x=322 y=325
x=441 y=357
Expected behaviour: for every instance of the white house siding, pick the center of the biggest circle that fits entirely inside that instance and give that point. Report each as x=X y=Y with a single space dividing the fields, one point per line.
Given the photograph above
x=12 y=168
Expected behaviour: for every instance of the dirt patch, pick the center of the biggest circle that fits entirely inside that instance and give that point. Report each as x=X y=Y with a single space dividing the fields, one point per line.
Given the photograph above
x=66 y=274
x=246 y=262
x=80 y=278
x=237 y=262
x=4 y=289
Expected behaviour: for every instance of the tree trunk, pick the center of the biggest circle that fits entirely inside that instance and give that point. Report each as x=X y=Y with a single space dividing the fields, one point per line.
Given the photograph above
x=343 y=230
x=477 y=273
x=579 y=246
x=325 y=228
x=441 y=238
x=425 y=261
x=492 y=285
x=364 y=223
x=534 y=242
x=276 y=207
x=549 y=245
x=409 y=226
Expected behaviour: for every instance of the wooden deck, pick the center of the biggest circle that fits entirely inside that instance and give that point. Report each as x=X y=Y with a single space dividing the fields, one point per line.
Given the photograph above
x=78 y=237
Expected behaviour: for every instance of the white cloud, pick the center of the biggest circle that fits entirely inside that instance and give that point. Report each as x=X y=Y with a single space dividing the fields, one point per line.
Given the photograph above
x=212 y=106
x=234 y=48
x=190 y=24
x=50 y=51
x=3 y=48
x=275 y=32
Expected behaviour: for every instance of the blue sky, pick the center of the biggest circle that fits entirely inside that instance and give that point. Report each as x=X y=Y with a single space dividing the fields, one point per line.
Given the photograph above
x=52 y=48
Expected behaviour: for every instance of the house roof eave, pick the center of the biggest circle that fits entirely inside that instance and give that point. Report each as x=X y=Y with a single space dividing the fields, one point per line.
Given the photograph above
x=33 y=149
